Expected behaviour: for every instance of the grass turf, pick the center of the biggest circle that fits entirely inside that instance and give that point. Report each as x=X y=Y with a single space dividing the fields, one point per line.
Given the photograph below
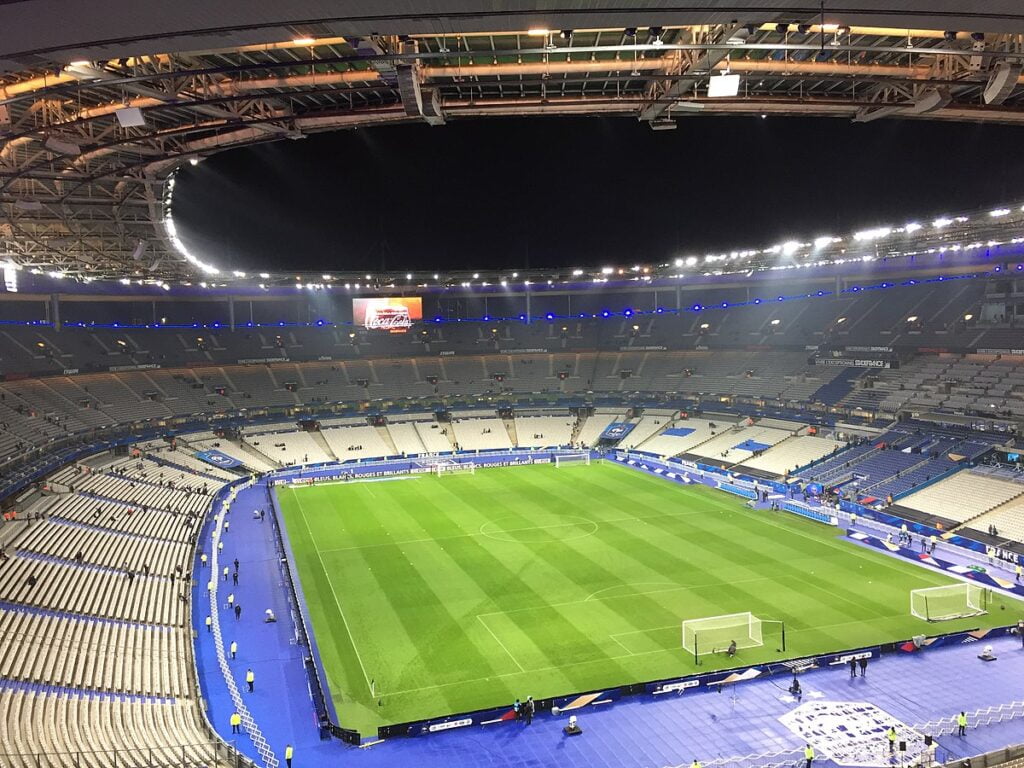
x=463 y=592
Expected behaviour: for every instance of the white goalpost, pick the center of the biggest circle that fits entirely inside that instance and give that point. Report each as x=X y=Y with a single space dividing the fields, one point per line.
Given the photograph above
x=715 y=634
x=442 y=468
x=570 y=458
x=953 y=601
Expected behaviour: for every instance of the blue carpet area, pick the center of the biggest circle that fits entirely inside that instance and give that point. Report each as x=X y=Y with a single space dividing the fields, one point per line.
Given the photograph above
x=635 y=733
x=751 y=445
x=679 y=431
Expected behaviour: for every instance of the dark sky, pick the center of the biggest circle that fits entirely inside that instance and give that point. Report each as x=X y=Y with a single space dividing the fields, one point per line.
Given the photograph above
x=579 y=191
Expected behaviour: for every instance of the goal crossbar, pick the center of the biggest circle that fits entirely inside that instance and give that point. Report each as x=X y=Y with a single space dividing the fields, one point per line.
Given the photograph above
x=715 y=634
x=564 y=459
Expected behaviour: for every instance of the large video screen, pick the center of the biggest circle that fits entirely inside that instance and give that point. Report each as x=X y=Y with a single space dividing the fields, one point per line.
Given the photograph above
x=393 y=314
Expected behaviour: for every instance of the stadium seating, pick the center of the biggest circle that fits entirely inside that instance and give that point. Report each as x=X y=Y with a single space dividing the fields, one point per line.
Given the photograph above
x=480 y=434
x=544 y=431
x=596 y=424
x=679 y=436
x=963 y=496
x=787 y=456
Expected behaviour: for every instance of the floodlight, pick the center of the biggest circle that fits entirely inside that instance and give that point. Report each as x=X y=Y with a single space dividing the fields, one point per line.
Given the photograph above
x=723 y=86
x=130 y=117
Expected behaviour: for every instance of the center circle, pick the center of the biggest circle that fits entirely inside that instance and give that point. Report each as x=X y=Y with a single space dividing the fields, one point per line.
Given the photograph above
x=557 y=528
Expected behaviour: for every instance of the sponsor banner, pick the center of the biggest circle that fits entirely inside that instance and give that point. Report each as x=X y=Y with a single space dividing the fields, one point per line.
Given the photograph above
x=447 y=353
x=394 y=314
x=617 y=430
x=258 y=360
x=843 y=362
x=218 y=459
x=70 y=371
x=647 y=348
x=682 y=685
x=988 y=351
x=324 y=358
x=867 y=349
x=143 y=367
x=462 y=722
x=521 y=351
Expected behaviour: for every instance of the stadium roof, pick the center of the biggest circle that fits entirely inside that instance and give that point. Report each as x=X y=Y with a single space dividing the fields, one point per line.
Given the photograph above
x=97 y=110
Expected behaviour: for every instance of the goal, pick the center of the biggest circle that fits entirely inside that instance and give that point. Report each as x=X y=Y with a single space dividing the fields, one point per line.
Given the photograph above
x=453 y=467
x=955 y=601
x=716 y=633
x=565 y=459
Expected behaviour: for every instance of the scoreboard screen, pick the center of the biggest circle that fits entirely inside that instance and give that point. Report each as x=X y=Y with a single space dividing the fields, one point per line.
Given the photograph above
x=392 y=314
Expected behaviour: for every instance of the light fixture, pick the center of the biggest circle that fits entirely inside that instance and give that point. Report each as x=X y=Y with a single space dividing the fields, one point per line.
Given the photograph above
x=538 y=32
x=723 y=86
x=656 y=33
x=912 y=319
x=304 y=41
x=130 y=117
x=968 y=317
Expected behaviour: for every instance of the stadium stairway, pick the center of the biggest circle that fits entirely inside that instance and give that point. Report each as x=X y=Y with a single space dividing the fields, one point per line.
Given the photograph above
x=510 y=427
x=321 y=441
x=385 y=436
x=835 y=390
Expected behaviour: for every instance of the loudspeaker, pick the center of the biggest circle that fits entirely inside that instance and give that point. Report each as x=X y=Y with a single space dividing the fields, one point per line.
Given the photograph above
x=130 y=117
x=1001 y=82
x=903 y=746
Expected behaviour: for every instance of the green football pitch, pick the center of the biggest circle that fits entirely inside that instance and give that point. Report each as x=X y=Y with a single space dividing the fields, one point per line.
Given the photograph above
x=449 y=594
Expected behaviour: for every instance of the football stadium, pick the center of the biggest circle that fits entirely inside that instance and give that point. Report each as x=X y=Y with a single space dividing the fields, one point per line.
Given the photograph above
x=479 y=384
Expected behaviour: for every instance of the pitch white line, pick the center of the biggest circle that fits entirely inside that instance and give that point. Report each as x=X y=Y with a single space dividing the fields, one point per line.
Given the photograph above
x=498 y=641
x=337 y=602
x=621 y=644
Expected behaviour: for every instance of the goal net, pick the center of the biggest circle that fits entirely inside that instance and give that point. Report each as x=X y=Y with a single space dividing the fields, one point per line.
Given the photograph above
x=716 y=633
x=955 y=601
x=453 y=467
x=565 y=459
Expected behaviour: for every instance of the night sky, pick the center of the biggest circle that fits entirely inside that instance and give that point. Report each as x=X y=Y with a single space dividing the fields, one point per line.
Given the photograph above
x=579 y=191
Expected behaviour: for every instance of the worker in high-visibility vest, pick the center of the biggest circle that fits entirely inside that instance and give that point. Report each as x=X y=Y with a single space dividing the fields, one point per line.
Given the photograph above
x=226 y=572
x=234 y=648
x=1020 y=571
x=961 y=724
x=202 y=559
x=209 y=624
x=231 y=601
x=250 y=678
x=808 y=754
x=696 y=764
x=288 y=754
x=891 y=736
x=236 y=722
x=934 y=540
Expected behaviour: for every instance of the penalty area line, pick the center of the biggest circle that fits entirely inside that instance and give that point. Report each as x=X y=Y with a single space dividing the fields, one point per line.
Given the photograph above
x=498 y=641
